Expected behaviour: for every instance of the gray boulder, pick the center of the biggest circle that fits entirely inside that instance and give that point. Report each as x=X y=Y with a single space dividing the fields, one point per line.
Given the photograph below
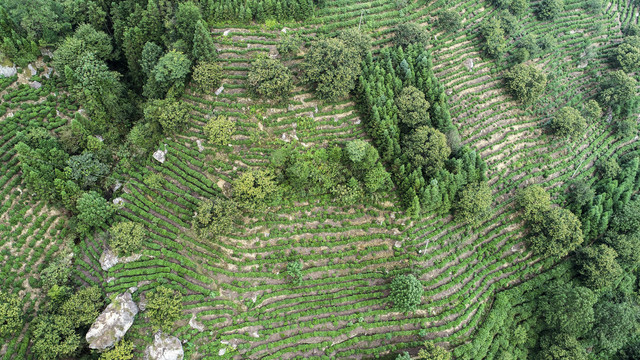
x=164 y=347
x=112 y=323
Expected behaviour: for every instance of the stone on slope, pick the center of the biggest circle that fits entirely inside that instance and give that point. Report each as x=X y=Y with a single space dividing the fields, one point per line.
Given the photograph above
x=164 y=347
x=112 y=323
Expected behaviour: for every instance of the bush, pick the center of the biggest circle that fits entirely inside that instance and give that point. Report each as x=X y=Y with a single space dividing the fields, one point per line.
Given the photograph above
x=289 y=44
x=406 y=293
x=449 y=20
x=550 y=9
x=474 y=203
x=568 y=123
x=164 y=307
x=126 y=237
x=207 y=76
x=122 y=351
x=526 y=83
x=214 y=218
x=10 y=314
x=628 y=54
x=332 y=67
x=270 y=78
x=410 y=33
x=219 y=130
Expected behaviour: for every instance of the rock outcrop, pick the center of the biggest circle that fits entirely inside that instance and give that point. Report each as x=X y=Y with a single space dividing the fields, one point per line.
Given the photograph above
x=112 y=323
x=164 y=347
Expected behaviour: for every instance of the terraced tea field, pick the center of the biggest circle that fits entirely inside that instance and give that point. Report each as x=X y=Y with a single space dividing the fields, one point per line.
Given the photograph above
x=238 y=302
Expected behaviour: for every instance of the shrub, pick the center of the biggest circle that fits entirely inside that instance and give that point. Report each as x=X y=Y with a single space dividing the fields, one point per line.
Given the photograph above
x=526 y=83
x=207 y=76
x=294 y=271
x=122 y=351
x=406 y=292
x=568 y=123
x=214 y=218
x=126 y=237
x=410 y=33
x=289 y=44
x=449 y=20
x=331 y=67
x=474 y=203
x=550 y=9
x=219 y=130
x=164 y=307
x=10 y=314
x=270 y=78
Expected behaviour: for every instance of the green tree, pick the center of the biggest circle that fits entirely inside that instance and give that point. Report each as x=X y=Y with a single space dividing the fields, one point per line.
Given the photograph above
x=10 y=314
x=122 y=351
x=568 y=309
x=170 y=73
x=270 y=78
x=187 y=17
x=126 y=237
x=608 y=168
x=332 y=68
x=294 y=271
x=406 y=292
x=54 y=337
x=526 y=83
x=83 y=307
x=494 y=36
x=57 y=272
x=404 y=356
x=519 y=7
x=615 y=321
x=289 y=44
x=207 y=76
x=449 y=20
x=550 y=9
x=85 y=170
x=93 y=211
x=627 y=220
x=568 y=123
x=618 y=90
x=627 y=246
x=356 y=39
x=254 y=189
x=101 y=93
x=561 y=347
x=219 y=130
x=628 y=54
x=474 y=203
x=559 y=233
x=592 y=111
x=410 y=33
x=433 y=352
x=170 y=114
x=164 y=307
x=598 y=266
x=204 y=50
x=214 y=218
x=85 y=40
x=412 y=108
x=426 y=147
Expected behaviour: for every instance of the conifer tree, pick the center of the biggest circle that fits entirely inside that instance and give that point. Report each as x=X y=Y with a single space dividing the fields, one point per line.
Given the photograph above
x=203 y=46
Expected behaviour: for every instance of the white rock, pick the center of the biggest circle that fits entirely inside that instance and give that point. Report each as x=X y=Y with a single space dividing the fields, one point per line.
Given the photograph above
x=226 y=32
x=222 y=351
x=118 y=201
x=164 y=347
x=200 y=147
x=195 y=324
x=159 y=156
x=48 y=73
x=35 y=84
x=8 y=71
x=46 y=52
x=357 y=122
x=100 y=138
x=284 y=30
x=113 y=323
x=133 y=289
x=219 y=91
x=397 y=244
x=33 y=70
x=254 y=334
x=117 y=186
x=109 y=259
